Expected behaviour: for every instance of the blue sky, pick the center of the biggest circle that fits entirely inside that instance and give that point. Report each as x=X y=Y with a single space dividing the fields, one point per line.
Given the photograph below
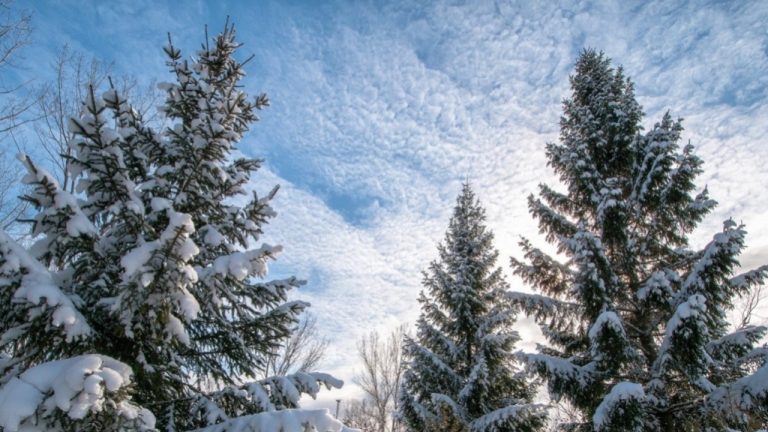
x=381 y=109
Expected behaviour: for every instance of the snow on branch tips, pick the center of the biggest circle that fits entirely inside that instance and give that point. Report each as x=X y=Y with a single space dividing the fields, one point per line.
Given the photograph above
x=78 y=386
x=36 y=290
x=620 y=409
x=285 y=420
x=268 y=395
x=151 y=263
x=499 y=420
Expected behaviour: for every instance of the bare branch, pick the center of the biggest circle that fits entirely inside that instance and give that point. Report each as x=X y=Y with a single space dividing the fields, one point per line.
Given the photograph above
x=14 y=35
x=360 y=414
x=752 y=302
x=10 y=206
x=15 y=28
x=302 y=352
x=380 y=378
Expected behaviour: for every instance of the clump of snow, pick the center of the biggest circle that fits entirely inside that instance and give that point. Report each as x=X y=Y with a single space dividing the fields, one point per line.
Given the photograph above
x=187 y=303
x=733 y=345
x=446 y=401
x=180 y=223
x=688 y=314
x=54 y=200
x=620 y=393
x=283 y=420
x=498 y=419
x=728 y=242
x=659 y=285
x=561 y=370
x=174 y=327
x=268 y=394
x=745 y=393
x=240 y=265
x=37 y=286
x=75 y=385
x=137 y=258
x=607 y=319
x=212 y=236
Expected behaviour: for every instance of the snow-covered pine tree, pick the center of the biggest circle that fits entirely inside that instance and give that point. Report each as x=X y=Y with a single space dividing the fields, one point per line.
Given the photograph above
x=635 y=319
x=145 y=289
x=459 y=373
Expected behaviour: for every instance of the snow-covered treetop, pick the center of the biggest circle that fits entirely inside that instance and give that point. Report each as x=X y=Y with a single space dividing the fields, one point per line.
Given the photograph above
x=635 y=320
x=460 y=374
x=153 y=268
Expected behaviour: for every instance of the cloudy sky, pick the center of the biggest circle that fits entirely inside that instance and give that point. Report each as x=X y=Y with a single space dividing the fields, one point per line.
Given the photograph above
x=380 y=110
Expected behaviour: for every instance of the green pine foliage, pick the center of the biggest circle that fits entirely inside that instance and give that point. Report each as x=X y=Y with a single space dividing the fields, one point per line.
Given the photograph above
x=635 y=319
x=460 y=374
x=144 y=290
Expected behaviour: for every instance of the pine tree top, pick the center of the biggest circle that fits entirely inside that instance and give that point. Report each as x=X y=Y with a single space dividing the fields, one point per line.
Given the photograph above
x=153 y=271
x=461 y=372
x=635 y=320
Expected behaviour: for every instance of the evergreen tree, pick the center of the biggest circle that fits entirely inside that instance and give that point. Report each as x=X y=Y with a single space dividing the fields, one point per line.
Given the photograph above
x=459 y=374
x=636 y=319
x=145 y=289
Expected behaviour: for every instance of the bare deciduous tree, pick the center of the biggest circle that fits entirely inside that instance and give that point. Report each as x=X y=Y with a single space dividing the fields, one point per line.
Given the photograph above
x=752 y=301
x=301 y=352
x=360 y=414
x=15 y=30
x=10 y=206
x=382 y=360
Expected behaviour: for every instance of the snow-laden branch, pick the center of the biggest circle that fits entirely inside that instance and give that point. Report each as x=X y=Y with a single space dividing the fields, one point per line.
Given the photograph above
x=267 y=395
x=78 y=386
x=284 y=420
x=35 y=286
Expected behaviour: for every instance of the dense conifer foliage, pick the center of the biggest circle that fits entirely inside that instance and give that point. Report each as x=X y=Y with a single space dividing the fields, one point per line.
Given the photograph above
x=636 y=319
x=460 y=372
x=142 y=301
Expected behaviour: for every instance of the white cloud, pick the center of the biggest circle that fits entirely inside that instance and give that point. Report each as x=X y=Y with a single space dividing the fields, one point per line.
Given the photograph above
x=401 y=104
x=381 y=110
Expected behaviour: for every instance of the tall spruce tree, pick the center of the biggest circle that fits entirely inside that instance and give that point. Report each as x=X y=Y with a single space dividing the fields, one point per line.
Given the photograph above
x=636 y=319
x=459 y=374
x=145 y=289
